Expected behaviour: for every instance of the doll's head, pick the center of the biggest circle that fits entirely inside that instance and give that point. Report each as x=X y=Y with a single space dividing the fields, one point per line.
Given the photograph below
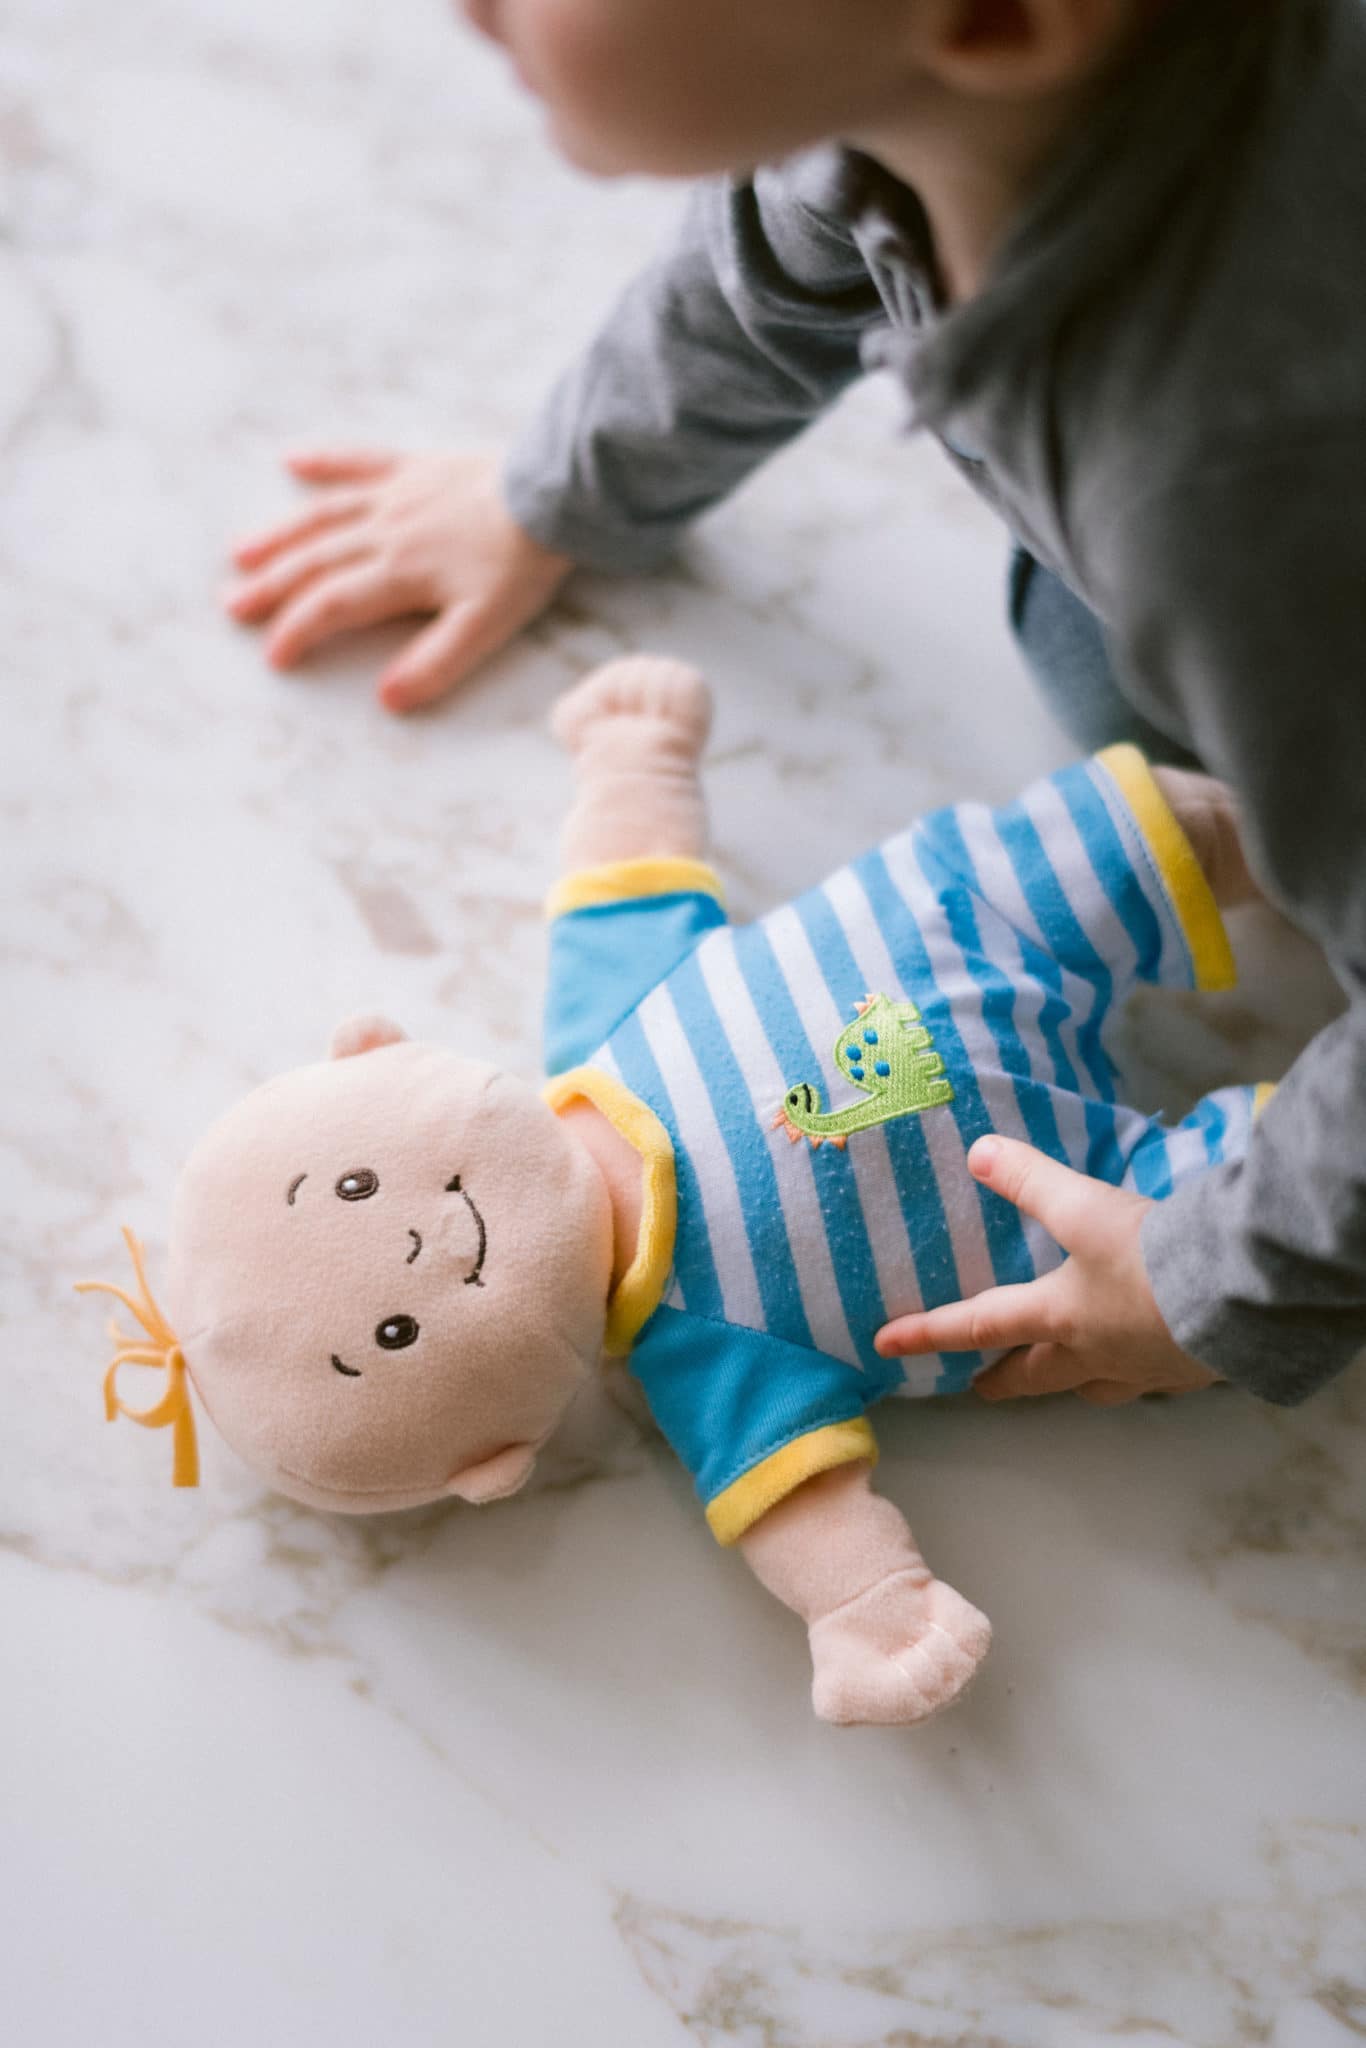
x=388 y=1275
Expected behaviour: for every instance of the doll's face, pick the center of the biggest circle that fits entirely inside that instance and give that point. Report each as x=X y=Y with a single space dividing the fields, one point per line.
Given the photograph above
x=389 y=1275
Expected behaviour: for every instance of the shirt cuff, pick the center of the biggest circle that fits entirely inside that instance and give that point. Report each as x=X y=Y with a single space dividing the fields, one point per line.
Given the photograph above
x=630 y=881
x=736 y=1509
x=1280 y=1353
x=545 y=509
x=1182 y=877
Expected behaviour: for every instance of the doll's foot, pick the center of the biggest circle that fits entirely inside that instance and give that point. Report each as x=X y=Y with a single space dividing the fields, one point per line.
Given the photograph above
x=665 y=693
x=896 y=1654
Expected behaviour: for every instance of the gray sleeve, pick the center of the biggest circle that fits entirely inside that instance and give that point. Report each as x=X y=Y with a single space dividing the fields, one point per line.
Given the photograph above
x=1240 y=605
x=715 y=356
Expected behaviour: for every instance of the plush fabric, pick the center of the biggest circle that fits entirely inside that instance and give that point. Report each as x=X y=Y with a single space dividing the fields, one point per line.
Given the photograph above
x=606 y=952
x=889 y=1641
x=294 y=1283
x=820 y=1075
x=391 y=1271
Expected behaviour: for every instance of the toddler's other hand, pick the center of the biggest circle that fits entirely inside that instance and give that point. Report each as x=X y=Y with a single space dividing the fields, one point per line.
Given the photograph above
x=386 y=535
x=1091 y=1325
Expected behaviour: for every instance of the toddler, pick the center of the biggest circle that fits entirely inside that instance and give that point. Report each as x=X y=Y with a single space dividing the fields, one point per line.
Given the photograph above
x=1111 y=249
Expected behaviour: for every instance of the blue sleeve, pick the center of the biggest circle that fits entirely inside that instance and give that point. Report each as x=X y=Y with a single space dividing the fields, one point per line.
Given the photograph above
x=730 y=1400
x=614 y=937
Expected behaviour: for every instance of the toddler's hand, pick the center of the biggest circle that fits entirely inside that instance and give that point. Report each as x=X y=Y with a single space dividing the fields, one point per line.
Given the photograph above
x=387 y=535
x=1091 y=1325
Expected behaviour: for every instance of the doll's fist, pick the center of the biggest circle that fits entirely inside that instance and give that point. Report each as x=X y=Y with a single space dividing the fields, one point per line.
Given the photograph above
x=649 y=690
x=898 y=1653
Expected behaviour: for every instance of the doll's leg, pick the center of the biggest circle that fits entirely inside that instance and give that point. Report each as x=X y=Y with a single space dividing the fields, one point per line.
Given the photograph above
x=636 y=730
x=889 y=1642
x=1103 y=876
x=1205 y=810
x=1216 y=1130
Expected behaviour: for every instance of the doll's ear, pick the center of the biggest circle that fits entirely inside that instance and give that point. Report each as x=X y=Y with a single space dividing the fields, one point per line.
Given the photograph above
x=364 y=1034
x=507 y=1471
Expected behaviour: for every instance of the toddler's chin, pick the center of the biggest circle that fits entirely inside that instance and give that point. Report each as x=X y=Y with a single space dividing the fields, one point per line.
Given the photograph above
x=585 y=150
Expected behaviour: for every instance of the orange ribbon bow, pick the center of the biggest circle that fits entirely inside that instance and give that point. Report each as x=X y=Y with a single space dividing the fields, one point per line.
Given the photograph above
x=162 y=1349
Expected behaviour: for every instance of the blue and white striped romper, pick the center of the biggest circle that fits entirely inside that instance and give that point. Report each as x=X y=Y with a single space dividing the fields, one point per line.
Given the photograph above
x=1017 y=934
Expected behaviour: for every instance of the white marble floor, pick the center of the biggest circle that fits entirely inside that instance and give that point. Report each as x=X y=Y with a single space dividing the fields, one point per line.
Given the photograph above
x=546 y=1773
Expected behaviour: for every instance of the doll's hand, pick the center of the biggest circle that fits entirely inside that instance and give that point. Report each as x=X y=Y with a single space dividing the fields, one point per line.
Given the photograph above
x=1091 y=1325
x=387 y=535
x=897 y=1653
x=636 y=730
x=889 y=1641
x=645 y=699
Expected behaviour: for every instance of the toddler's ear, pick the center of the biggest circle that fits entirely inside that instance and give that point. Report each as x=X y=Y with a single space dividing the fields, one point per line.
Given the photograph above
x=507 y=1471
x=364 y=1034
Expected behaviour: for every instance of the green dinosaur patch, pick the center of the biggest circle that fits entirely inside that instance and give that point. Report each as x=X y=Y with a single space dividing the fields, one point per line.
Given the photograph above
x=887 y=1054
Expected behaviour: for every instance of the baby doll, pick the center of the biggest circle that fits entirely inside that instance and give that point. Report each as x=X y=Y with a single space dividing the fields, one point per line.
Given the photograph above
x=390 y=1272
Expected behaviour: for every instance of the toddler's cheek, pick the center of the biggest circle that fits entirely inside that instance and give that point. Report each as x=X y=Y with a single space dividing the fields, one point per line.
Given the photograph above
x=586 y=59
x=483 y=15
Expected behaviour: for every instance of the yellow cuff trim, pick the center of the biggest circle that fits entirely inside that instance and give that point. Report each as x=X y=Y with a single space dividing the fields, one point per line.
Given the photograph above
x=1191 y=896
x=742 y=1503
x=622 y=881
x=636 y=1297
x=1261 y=1095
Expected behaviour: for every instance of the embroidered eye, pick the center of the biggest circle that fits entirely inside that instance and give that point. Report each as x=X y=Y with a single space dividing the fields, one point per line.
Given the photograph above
x=357 y=1184
x=396 y=1333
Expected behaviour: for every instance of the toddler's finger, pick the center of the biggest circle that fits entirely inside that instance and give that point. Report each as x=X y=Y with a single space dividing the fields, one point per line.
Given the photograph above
x=338 y=603
x=263 y=594
x=438 y=658
x=1034 y=1369
x=1001 y=1317
x=340 y=465
x=332 y=508
x=441 y=656
x=1107 y=1393
x=1067 y=1203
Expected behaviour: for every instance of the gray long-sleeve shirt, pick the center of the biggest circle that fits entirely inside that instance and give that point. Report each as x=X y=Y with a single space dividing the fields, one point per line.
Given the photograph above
x=1163 y=384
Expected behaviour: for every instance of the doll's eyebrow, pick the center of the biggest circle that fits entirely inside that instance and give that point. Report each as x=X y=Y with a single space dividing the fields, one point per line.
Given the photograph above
x=294 y=1187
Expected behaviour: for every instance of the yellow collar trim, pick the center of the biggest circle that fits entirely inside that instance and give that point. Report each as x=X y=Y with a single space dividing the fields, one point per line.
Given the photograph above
x=637 y=1295
x=1191 y=895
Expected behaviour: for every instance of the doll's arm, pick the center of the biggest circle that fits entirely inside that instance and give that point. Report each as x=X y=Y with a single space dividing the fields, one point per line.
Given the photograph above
x=636 y=730
x=889 y=1641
